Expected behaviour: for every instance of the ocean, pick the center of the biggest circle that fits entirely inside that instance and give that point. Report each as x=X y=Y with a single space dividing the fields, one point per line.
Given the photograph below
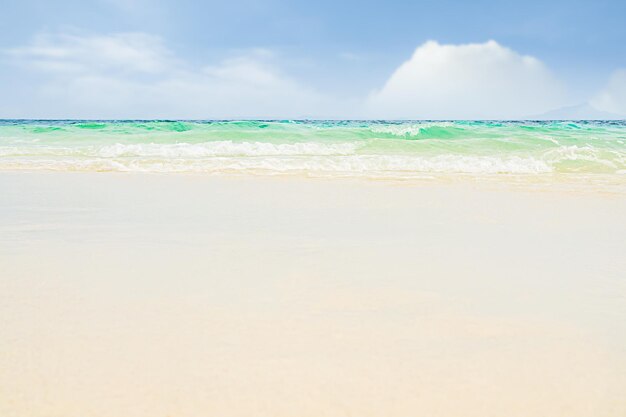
x=370 y=149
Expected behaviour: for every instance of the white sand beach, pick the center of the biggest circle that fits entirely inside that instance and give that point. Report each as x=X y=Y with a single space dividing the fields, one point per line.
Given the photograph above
x=146 y=295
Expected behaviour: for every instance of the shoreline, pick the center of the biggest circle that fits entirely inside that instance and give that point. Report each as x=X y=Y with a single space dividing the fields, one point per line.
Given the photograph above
x=556 y=182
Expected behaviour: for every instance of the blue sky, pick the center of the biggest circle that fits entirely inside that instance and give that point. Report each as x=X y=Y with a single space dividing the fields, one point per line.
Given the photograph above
x=336 y=55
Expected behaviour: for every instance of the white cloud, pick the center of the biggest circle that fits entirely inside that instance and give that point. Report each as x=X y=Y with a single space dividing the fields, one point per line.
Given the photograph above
x=612 y=98
x=467 y=82
x=134 y=75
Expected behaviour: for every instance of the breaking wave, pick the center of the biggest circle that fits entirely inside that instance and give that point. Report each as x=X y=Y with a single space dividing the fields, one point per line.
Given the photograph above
x=321 y=148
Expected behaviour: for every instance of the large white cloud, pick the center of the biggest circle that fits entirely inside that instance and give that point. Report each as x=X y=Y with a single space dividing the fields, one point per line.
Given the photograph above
x=134 y=75
x=612 y=98
x=469 y=81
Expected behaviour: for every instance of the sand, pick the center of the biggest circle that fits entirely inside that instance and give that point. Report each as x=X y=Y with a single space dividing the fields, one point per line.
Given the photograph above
x=131 y=295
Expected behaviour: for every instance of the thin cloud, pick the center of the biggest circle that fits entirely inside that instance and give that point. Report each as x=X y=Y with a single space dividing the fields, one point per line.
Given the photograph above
x=123 y=52
x=134 y=75
x=612 y=98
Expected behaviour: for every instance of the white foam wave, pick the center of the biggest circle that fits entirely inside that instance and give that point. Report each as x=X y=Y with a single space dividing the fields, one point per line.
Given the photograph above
x=311 y=158
x=184 y=150
x=225 y=148
x=609 y=158
x=357 y=165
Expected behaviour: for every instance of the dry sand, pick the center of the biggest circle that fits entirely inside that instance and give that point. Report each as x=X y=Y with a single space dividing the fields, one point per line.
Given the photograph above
x=186 y=296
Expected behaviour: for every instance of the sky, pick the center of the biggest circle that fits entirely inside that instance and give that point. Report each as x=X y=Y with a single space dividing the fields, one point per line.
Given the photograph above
x=324 y=59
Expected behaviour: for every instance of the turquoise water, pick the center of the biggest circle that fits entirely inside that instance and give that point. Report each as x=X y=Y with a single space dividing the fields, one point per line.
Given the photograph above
x=376 y=149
